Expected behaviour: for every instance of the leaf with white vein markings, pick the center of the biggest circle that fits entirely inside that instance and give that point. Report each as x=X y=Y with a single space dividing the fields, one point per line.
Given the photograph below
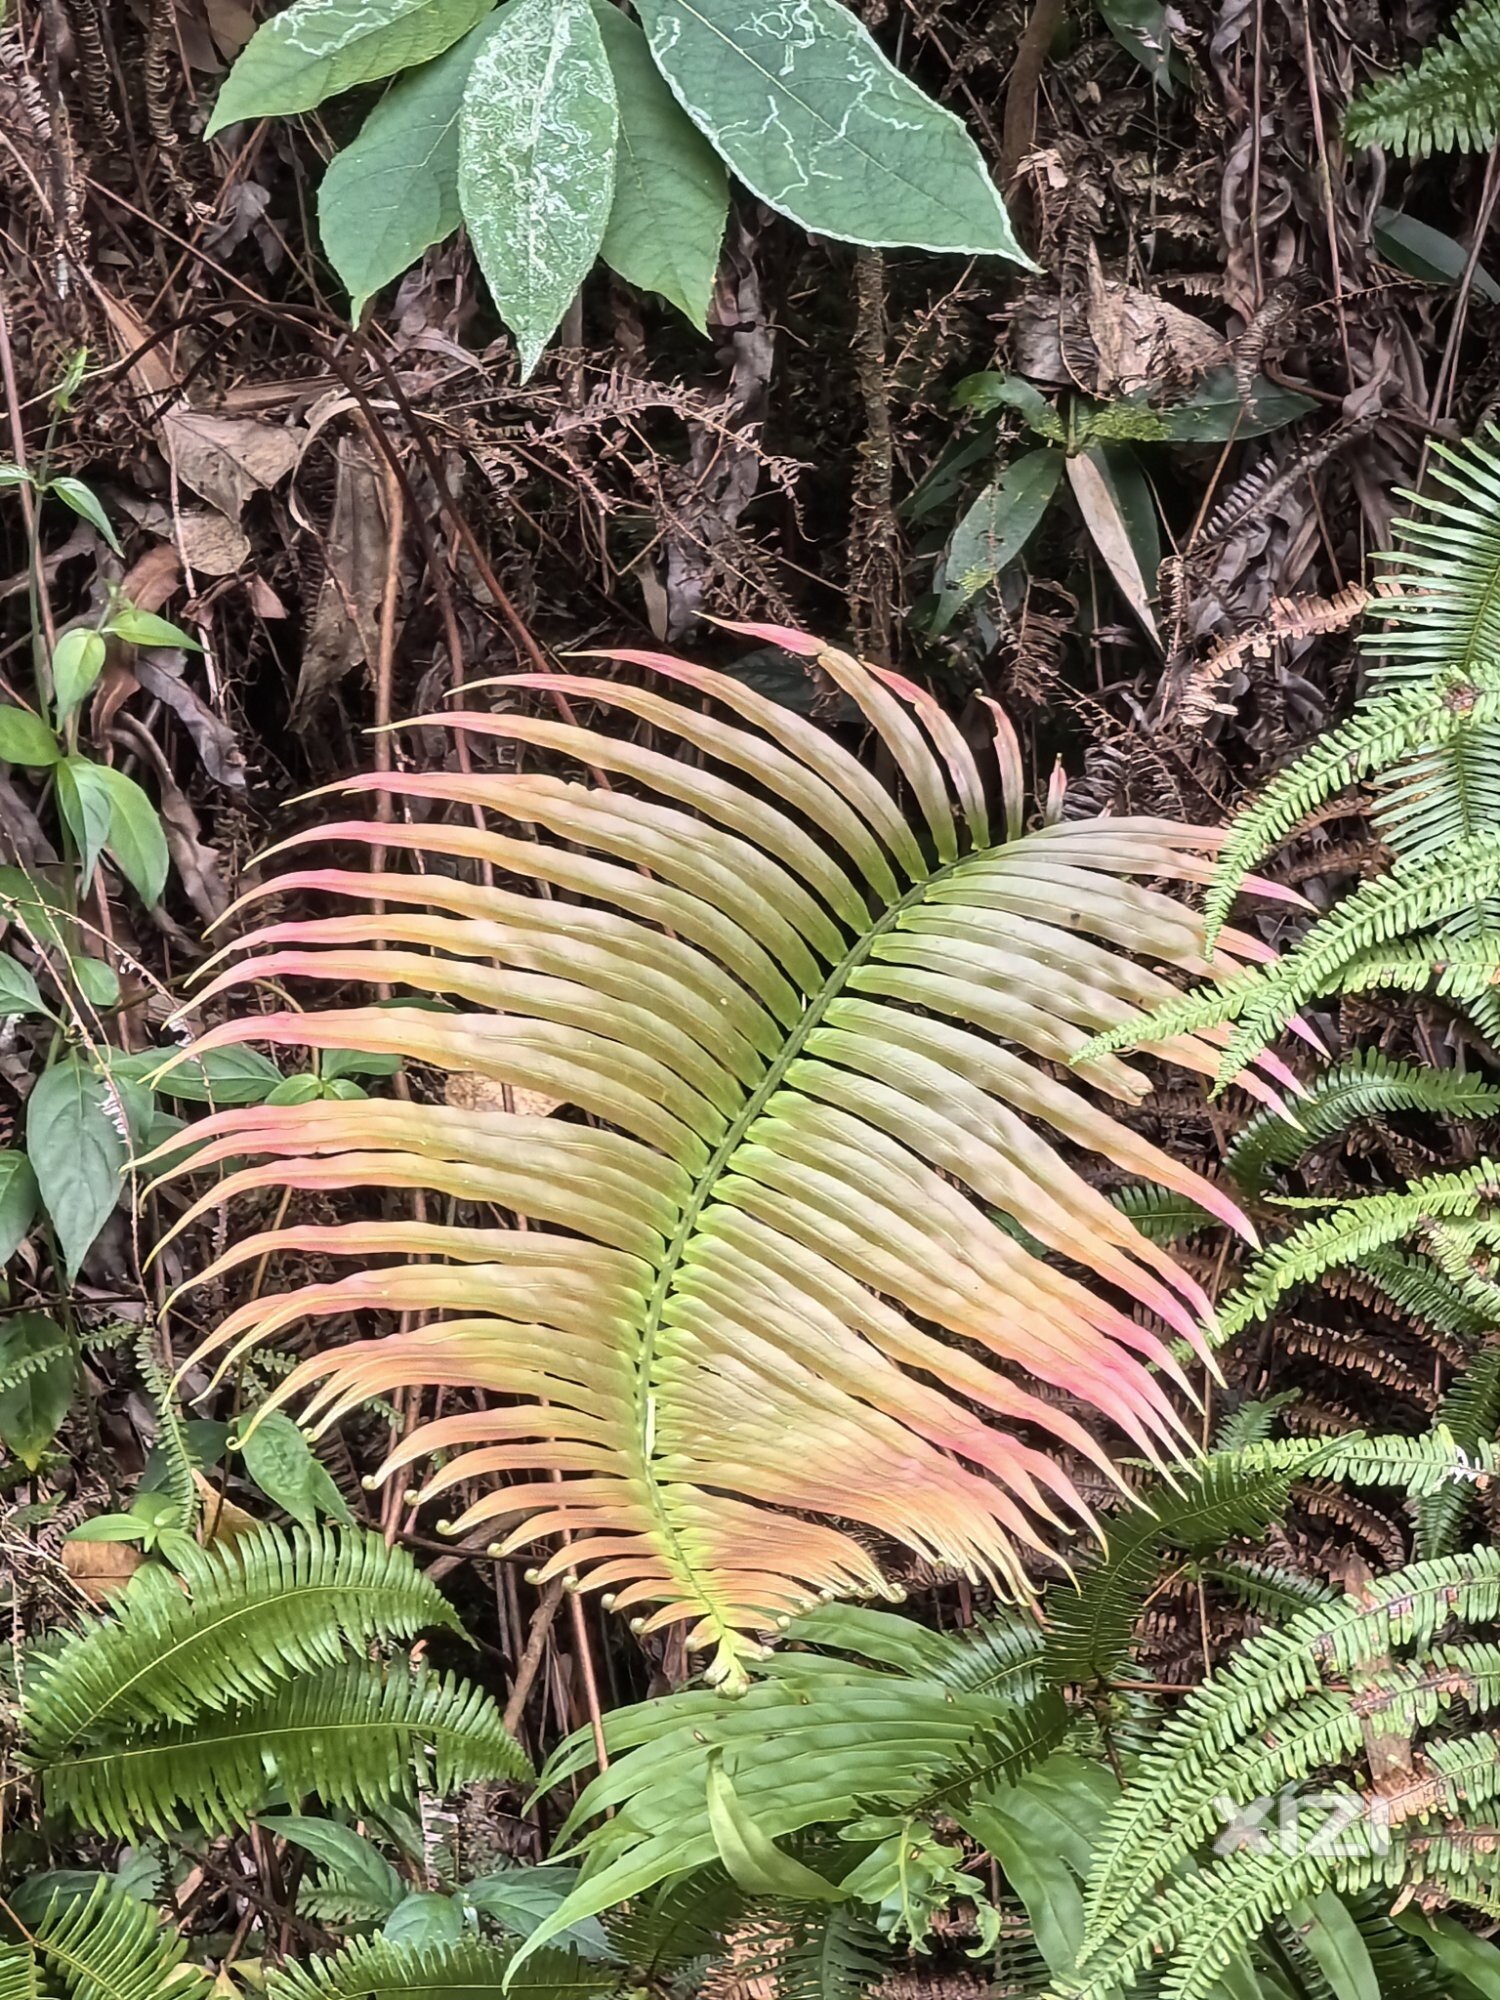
x=803 y=105
x=536 y=162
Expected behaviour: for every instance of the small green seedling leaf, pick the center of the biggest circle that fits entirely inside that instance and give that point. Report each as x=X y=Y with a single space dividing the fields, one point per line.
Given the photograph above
x=26 y=739
x=283 y=1465
x=76 y=665
x=33 y=1407
x=86 y=504
x=96 y=981
x=18 y=991
x=996 y=529
x=18 y=1201
x=144 y=628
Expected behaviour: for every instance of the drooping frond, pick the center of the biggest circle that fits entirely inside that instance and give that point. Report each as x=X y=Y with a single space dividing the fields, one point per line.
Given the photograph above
x=1449 y=97
x=379 y=1969
x=1282 y=1707
x=1365 y=1085
x=1236 y=1493
x=236 y=1621
x=1404 y=727
x=1232 y=1493
x=830 y=1952
x=102 y=1946
x=1352 y=1231
x=809 y=1036
x=358 y=1735
x=1470 y=1414
x=916 y=1737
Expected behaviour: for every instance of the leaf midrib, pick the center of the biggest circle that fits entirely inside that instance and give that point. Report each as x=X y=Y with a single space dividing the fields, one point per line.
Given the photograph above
x=703 y=1194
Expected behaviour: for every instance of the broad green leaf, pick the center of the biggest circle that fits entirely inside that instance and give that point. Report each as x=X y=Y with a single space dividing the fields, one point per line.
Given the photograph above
x=26 y=739
x=12 y=474
x=1425 y=252
x=18 y=1201
x=519 y=1897
x=77 y=1151
x=1120 y=515
x=317 y=48
x=807 y=110
x=1215 y=412
x=282 y=1463
x=76 y=665
x=304 y=1088
x=97 y=982
x=753 y=1861
x=110 y=1528
x=423 y=1918
x=671 y=192
x=334 y=1063
x=18 y=991
x=32 y=1408
x=221 y=1078
x=1336 y=1942
x=347 y=1855
x=86 y=504
x=86 y=809
x=144 y=628
x=996 y=529
x=31 y=904
x=1142 y=27
x=393 y=192
x=990 y=390
x=104 y=808
x=536 y=162
x=1456 y=1950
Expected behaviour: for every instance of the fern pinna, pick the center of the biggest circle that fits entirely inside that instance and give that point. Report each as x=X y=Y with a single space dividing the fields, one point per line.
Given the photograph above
x=807 y=1037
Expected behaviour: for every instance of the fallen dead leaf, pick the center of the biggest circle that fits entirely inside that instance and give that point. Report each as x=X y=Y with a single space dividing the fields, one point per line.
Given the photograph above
x=222 y=1520
x=227 y=460
x=161 y=672
x=344 y=627
x=101 y=1570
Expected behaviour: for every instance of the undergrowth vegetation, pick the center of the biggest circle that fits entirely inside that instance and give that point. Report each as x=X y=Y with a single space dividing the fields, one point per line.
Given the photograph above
x=763 y=1318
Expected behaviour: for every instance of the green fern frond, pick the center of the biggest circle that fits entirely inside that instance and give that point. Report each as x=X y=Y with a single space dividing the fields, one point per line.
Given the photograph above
x=1365 y=1085
x=1415 y=1285
x=1231 y=1494
x=1268 y=1589
x=1470 y=1413
x=19 y=1973
x=1420 y=892
x=850 y=1733
x=237 y=1620
x=1351 y=1234
x=996 y=1657
x=1456 y=968
x=102 y=1946
x=358 y=1735
x=832 y=1953
x=1385 y=732
x=682 y=1920
x=1161 y=1215
x=1222 y=1732
x=1253 y=1421
x=171 y=1436
x=376 y=1969
x=1449 y=97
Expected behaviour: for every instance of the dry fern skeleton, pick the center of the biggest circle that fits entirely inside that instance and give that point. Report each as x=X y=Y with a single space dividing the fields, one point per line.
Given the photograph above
x=812 y=1038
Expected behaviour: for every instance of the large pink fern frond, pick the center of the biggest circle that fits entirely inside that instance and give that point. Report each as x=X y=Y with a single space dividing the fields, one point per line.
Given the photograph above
x=780 y=1281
